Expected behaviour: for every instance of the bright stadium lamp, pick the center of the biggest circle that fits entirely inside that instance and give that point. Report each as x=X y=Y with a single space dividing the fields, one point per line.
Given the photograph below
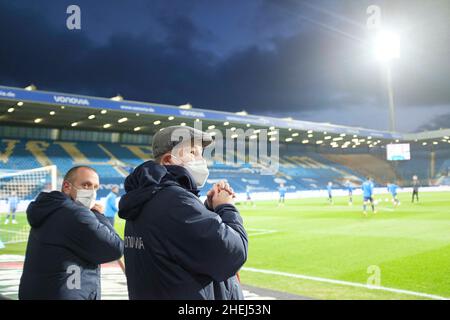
x=186 y=106
x=387 y=46
x=386 y=49
x=117 y=98
x=31 y=87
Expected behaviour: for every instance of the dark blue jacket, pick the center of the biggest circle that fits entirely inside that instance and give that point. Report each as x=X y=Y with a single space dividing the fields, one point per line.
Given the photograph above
x=66 y=240
x=175 y=247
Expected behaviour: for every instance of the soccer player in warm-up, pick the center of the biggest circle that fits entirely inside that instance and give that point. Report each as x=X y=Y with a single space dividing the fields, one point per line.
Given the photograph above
x=367 y=188
x=392 y=188
x=282 y=193
x=415 y=186
x=330 y=190
x=349 y=188
x=12 y=202
x=249 y=196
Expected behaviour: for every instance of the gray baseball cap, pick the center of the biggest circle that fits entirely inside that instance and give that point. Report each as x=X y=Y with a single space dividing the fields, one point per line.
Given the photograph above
x=167 y=138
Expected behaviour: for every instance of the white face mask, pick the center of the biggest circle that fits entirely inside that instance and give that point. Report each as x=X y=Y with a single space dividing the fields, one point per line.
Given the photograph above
x=198 y=170
x=86 y=197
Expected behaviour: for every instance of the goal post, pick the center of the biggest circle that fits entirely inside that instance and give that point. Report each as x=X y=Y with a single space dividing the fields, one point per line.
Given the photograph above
x=17 y=189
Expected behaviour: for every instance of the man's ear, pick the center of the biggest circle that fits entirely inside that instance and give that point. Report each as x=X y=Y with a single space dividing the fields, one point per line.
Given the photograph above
x=166 y=159
x=65 y=186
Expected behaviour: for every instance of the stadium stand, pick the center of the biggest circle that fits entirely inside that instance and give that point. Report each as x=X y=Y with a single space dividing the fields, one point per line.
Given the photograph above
x=301 y=168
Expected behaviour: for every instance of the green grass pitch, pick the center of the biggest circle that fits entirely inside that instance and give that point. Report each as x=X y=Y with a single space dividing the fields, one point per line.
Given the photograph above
x=408 y=245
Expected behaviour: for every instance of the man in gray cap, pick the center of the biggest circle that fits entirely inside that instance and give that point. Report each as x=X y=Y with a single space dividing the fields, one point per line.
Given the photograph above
x=177 y=247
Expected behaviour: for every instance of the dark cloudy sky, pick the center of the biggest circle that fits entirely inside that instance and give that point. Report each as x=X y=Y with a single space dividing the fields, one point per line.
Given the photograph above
x=310 y=60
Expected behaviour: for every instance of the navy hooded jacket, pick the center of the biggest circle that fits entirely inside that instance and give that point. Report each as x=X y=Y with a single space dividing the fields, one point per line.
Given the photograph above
x=66 y=245
x=175 y=247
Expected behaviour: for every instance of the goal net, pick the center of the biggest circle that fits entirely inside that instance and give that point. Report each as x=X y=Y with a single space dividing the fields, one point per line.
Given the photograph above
x=17 y=190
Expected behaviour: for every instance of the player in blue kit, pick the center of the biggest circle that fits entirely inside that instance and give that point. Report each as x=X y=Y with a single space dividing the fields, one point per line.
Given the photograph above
x=367 y=188
x=249 y=196
x=349 y=188
x=282 y=192
x=330 y=190
x=392 y=188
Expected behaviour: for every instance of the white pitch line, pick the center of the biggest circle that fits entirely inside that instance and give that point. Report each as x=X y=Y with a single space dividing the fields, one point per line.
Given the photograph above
x=14 y=231
x=385 y=208
x=259 y=232
x=345 y=283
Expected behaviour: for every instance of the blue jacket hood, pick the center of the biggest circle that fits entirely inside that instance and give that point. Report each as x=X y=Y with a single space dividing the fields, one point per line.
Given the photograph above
x=45 y=205
x=146 y=180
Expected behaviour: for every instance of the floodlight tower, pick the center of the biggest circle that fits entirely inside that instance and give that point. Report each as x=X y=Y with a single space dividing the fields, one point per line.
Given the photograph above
x=387 y=48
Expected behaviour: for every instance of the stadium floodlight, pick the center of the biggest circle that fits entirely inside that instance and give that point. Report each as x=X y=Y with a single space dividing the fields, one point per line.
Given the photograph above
x=11 y=110
x=92 y=116
x=226 y=123
x=183 y=124
x=171 y=118
x=211 y=127
x=310 y=135
x=253 y=136
x=242 y=113
x=310 y=131
x=272 y=139
x=387 y=46
x=424 y=143
x=248 y=125
x=121 y=120
x=137 y=129
x=52 y=113
x=288 y=139
x=31 y=87
x=257 y=131
x=233 y=129
x=103 y=111
x=20 y=103
x=386 y=49
x=295 y=134
x=37 y=120
x=272 y=128
x=305 y=141
x=117 y=98
x=107 y=125
x=157 y=122
x=185 y=106
x=74 y=124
